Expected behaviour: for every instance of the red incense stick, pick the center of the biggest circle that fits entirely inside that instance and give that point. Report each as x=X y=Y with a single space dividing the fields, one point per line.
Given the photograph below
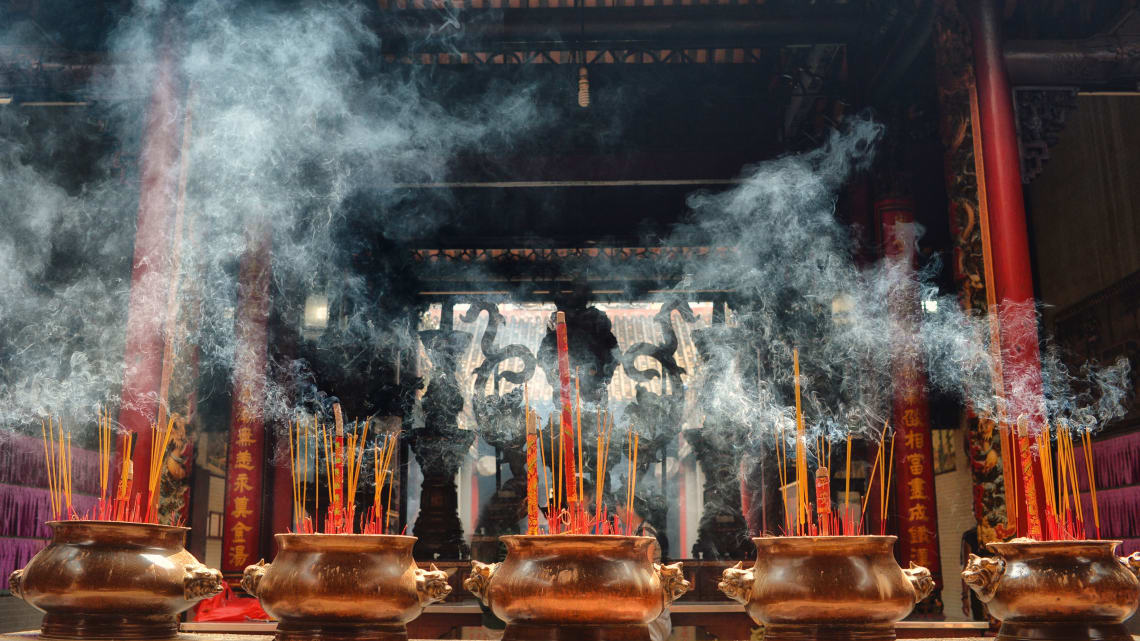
x=567 y=431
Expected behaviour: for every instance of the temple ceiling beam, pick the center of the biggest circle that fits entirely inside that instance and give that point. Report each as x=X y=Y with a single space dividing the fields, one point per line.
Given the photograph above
x=691 y=26
x=1109 y=58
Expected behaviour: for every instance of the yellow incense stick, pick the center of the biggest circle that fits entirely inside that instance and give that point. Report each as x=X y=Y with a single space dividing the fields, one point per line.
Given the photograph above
x=847 y=476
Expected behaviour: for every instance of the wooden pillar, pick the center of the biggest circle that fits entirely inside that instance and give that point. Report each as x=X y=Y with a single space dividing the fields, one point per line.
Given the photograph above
x=913 y=445
x=280 y=492
x=150 y=272
x=971 y=260
x=246 y=461
x=1009 y=245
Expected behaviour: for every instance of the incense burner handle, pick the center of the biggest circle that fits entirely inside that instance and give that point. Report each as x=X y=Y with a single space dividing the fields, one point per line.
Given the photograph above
x=479 y=582
x=431 y=585
x=982 y=574
x=673 y=581
x=252 y=576
x=1131 y=563
x=921 y=580
x=736 y=583
x=200 y=582
x=16 y=583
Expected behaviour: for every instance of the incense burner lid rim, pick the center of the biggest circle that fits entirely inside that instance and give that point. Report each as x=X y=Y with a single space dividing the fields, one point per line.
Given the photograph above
x=1027 y=545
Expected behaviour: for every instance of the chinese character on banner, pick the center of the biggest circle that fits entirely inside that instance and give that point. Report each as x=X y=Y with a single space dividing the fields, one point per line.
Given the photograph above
x=921 y=556
x=241 y=483
x=241 y=508
x=244 y=460
x=920 y=534
x=916 y=464
x=238 y=555
x=240 y=529
x=245 y=436
x=918 y=488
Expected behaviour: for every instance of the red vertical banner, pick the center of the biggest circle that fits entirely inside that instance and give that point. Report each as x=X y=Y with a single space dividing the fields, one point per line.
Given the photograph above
x=913 y=446
x=245 y=469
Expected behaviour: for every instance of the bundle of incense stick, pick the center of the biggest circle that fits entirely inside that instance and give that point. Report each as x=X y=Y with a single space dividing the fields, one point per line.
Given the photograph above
x=531 y=466
x=336 y=501
x=1064 y=518
x=343 y=461
x=377 y=520
x=57 y=453
x=566 y=458
x=885 y=464
x=116 y=505
x=1086 y=439
x=824 y=518
x=299 y=473
x=605 y=431
x=1064 y=521
x=560 y=519
x=803 y=502
x=159 y=444
x=633 y=441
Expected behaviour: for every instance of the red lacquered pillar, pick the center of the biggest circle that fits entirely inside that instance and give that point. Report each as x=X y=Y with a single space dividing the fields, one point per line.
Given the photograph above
x=281 y=494
x=1009 y=244
x=246 y=464
x=150 y=273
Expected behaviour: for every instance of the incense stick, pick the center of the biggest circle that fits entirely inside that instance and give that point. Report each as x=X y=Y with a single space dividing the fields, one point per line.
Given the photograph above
x=1087 y=438
x=578 y=405
x=801 y=451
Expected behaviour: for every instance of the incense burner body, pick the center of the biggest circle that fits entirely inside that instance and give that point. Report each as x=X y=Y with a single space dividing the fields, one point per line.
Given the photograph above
x=577 y=587
x=113 y=580
x=1054 y=590
x=827 y=587
x=344 y=586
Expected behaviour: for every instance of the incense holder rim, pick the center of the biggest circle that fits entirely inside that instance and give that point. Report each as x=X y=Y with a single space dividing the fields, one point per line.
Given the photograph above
x=1093 y=545
x=576 y=538
x=343 y=542
x=117 y=533
x=837 y=544
x=161 y=526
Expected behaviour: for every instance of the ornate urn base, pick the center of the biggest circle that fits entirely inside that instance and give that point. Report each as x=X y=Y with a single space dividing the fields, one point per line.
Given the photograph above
x=846 y=588
x=577 y=587
x=113 y=580
x=1057 y=590
x=362 y=587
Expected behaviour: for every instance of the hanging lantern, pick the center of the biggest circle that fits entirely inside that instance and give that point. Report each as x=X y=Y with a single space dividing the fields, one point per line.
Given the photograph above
x=583 y=87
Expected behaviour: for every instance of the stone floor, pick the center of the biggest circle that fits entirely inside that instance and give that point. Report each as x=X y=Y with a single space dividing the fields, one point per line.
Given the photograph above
x=15 y=615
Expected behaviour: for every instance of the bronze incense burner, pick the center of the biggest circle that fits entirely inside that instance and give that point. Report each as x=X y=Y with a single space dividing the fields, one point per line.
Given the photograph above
x=363 y=587
x=827 y=587
x=577 y=587
x=1057 y=590
x=113 y=580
